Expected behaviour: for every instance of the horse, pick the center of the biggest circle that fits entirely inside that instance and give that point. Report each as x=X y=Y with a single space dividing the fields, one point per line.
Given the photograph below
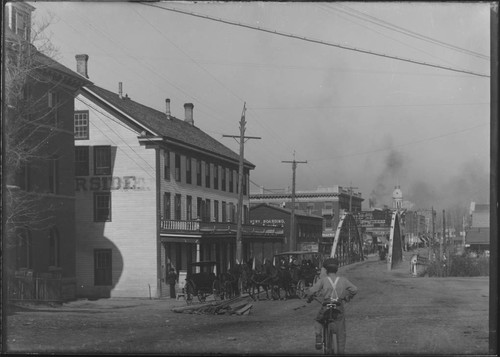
x=260 y=278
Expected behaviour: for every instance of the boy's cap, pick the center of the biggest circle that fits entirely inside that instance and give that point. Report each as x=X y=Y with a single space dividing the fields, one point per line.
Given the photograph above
x=331 y=261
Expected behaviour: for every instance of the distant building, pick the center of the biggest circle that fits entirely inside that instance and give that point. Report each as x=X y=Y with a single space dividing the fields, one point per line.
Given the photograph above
x=477 y=236
x=329 y=203
x=308 y=229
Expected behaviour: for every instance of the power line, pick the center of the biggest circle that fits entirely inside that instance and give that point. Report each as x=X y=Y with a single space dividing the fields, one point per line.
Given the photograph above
x=379 y=22
x=366 y=106
x=319 y=41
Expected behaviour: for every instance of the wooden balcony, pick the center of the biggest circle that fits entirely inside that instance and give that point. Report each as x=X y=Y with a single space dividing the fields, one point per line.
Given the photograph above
x=228 y=228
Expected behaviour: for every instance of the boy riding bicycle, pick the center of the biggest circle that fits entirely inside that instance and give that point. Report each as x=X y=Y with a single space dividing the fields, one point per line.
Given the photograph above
x=331 y=286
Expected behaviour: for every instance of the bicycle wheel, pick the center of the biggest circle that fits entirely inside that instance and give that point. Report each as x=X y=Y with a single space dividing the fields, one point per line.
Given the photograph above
x=330 y=341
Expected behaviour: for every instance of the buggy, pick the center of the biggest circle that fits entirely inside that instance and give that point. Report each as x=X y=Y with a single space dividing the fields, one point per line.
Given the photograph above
x=203 y=281
x=304 y=268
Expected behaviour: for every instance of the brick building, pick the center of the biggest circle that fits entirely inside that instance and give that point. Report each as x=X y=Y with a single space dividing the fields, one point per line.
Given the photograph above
x=40 y=210
x=153 y=191
x=328 y=203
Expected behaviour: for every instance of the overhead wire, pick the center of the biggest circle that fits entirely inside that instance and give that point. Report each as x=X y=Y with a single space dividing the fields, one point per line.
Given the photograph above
x=325 y=43
x=382 y=23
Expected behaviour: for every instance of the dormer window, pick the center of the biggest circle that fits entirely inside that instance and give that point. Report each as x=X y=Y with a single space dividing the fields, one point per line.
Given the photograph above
x=20 y=19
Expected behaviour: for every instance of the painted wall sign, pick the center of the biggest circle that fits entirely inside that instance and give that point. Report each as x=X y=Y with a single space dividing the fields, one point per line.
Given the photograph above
x=267 y=221
x=108 y=183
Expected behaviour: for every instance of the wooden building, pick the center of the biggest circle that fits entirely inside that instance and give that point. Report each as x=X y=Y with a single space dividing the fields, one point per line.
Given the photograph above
x=153 y=192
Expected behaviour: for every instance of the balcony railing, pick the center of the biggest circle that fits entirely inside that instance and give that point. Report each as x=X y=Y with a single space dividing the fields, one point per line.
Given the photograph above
x=219 y=227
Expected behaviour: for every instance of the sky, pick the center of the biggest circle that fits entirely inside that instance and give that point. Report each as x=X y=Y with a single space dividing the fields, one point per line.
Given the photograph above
x=370 y=121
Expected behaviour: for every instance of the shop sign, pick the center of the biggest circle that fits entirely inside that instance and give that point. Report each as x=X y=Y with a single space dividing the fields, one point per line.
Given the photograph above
x=108 y=183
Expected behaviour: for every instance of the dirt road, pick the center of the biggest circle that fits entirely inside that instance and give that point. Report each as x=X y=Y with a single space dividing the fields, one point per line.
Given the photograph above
x=392 y=314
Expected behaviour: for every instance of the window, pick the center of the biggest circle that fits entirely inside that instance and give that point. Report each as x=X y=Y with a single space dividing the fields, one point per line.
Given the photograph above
x=177 y=167
x=232 y=213
x=166 y=205
x=166 y=165
x=102 y=267
x=199 y=208
x=188 y=170
x=177 y=203
x=102 y=206
x=81 y=124
x=198 y=172
x=224 y=212
x=102 y=160
x=53 y=175
x=216 y=177
x=208 y=214
x=223 y=181
x=189 y=208
x=207 y=175
x=245 y=214
x=20 y=23
x=24 y=250
x=81 y=160
x=53 y=248
x=216 y=211
x=53 y=104
x=231 y=181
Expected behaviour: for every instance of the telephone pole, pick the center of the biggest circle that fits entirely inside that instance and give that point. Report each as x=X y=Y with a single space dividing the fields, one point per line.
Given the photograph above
x=442 y=238
x=242 y=139
x=291 y=243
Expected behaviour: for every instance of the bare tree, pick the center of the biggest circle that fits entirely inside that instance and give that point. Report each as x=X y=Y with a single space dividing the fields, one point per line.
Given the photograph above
x=29 y=125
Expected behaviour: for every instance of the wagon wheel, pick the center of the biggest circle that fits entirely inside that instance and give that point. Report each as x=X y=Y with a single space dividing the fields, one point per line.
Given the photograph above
x=217 y=290
x=190 y=292
x=300 y=289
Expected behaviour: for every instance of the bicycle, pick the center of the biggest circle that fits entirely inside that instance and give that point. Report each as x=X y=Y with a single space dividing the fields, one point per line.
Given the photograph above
x=330 y=341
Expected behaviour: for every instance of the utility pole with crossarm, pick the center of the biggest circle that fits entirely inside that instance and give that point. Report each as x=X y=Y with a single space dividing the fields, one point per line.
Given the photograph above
x=292 y=242
x=242 y=138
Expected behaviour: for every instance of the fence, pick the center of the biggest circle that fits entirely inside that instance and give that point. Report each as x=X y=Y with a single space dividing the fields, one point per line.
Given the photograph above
x=29 y=288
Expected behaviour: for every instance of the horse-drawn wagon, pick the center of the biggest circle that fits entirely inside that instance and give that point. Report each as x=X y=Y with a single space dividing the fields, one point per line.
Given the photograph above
x=304 y=268
x=202 y=281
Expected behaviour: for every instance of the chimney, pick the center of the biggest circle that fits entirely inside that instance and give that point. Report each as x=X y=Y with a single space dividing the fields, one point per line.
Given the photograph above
x=81 y=65
x=120 y=90
x=167 y=107
x=188 y=108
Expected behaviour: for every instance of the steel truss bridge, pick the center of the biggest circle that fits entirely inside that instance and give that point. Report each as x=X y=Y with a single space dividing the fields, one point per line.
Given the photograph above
x=348 y=244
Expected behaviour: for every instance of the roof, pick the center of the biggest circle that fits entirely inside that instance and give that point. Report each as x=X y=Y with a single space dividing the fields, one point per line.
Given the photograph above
x=48 y=63
x=42 y=62
x=170 y=128
x=285 y=210
x=478 y=236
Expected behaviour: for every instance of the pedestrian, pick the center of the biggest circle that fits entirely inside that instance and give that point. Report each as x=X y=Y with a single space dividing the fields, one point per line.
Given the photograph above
x=327 y=287
x=171 y=280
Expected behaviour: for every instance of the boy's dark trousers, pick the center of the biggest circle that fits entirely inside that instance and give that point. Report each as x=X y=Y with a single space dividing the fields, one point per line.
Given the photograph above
x=338 y=328
x=172 y=290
